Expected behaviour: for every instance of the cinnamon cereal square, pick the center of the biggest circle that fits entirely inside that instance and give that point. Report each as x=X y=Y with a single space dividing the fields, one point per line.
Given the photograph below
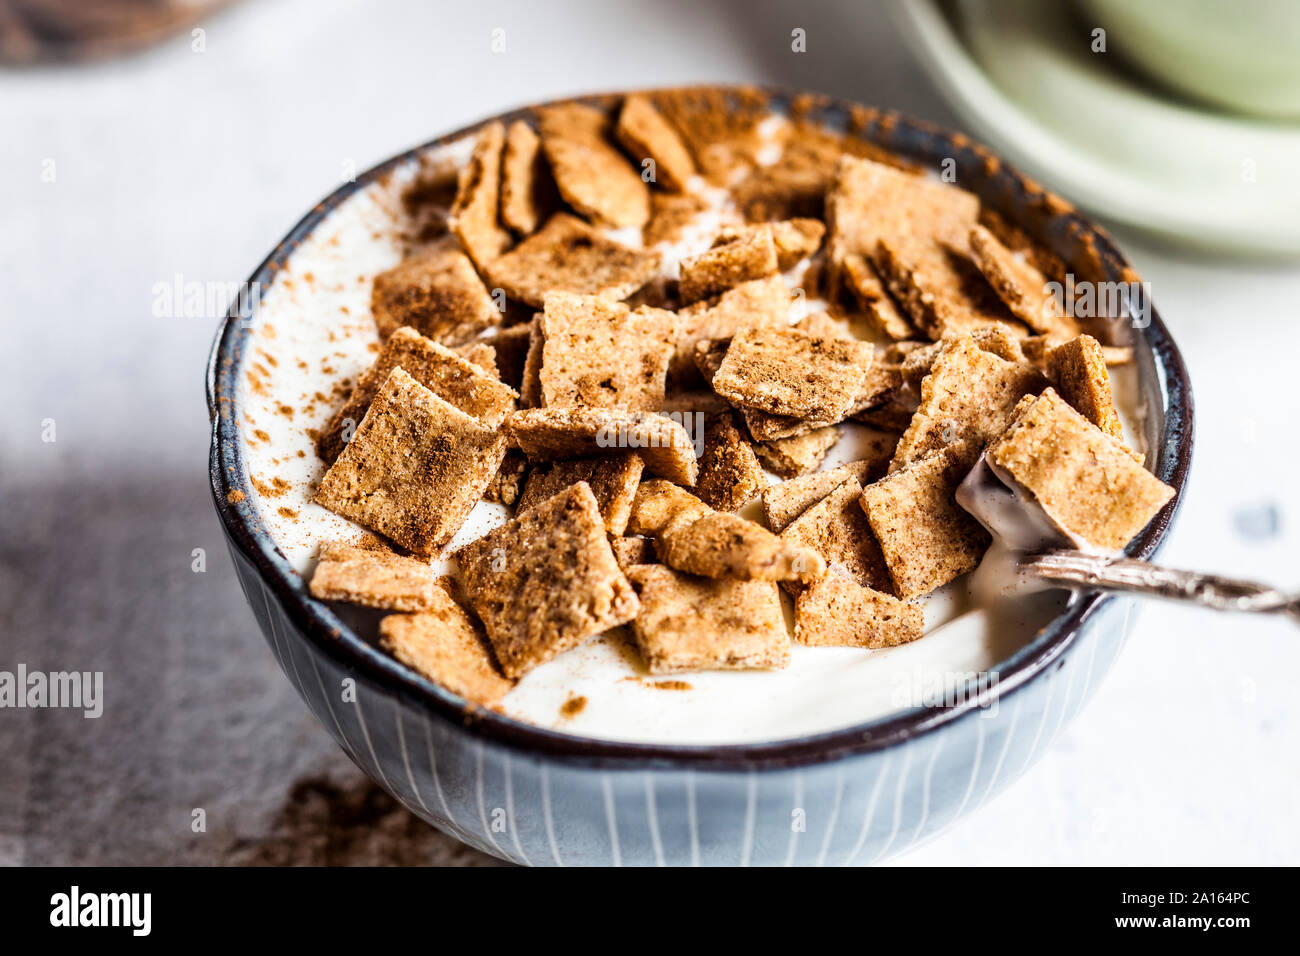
x=1078 y=367
x=836 y=611
x=593 y=177
x=528 y=193
x=438 y=293
x=568 y=255
x=1020 y=285
x=926 y=537
x=601 y=354
x=612 y=480
x=373 y=577
x=474 y=211
x=787 y=500
x=645 y=134
x=761 y=303
x=752 y=255
x=730 y=474
x=629 y=552
x=449 y=376
x=799 y=454
x=546 y=581
x=967 y=397
x=786 y=372
x=447 y=646
x=545 y=434
x=794 y=239
x=1084 y=479
x=837 y=529
x=690 y=623
x=415 y=468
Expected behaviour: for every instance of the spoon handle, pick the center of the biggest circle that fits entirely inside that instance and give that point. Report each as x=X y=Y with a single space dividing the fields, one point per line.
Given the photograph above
x=1077 y=569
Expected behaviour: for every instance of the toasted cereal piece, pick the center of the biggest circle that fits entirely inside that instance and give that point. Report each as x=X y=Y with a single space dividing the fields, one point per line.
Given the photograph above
x=730 y=474
x=939 y=286
x=568 y=255
x=691 y=405
x=870 y=201
x=511 y=348
x=835 y=611
x=530 y=388
x=645 y=134
x=481 y=354
x=859 y=274
x=629 y=552
x=612 y=480
x=761 y=303
x=785 y=372
x=790 y=457
x=546 y=581
x=528 y=193
x=689 y=623
x=784 y=502
x=926 y=537
x=372 y=577
x=880 y=383
x=437 y=293
x=593 y=177
x=603 y=355
x=1078 y=369
x=1084 y=479
x=449 y=376
x=722 y=545
x=474 y=212
x=544 y=434
x=448 y=647
x=1020 y=285
x=508 y=482
x=671 y=214
x=659 y=503
x=967 y=397
x=822 y=326
x=837 y=529
x=751 y=256
x=415 y=468
x=795 y=239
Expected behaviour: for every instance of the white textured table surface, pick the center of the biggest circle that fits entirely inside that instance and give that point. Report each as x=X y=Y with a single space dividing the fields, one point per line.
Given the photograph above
x=189 y=163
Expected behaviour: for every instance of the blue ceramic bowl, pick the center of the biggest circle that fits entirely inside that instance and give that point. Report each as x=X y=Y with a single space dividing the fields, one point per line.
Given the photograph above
x=857 y=795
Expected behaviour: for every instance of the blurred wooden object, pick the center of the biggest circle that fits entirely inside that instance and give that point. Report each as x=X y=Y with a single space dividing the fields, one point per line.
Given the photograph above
x=39 y=30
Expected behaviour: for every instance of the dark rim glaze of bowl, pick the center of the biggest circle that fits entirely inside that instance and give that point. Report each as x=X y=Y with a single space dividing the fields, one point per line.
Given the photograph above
x=1048 y=219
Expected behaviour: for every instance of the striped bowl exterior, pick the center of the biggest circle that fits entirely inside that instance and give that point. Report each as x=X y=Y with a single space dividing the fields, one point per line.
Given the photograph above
x=546 y=811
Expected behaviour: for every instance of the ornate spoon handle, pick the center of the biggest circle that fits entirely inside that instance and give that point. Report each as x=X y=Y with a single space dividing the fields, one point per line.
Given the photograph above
x=1077 y=569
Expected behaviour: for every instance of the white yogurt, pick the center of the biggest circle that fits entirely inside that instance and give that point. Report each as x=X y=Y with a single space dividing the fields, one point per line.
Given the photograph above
x=313 y=336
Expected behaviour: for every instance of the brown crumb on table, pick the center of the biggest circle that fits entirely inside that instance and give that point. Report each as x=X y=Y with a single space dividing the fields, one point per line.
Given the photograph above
x=415 y=467
x=546 y=581
x=569 y=255
x=592 y=175
x=690 y=623
x=1087 y=482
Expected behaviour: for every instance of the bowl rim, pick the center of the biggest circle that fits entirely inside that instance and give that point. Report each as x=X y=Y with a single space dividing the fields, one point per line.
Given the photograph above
x=330 y=635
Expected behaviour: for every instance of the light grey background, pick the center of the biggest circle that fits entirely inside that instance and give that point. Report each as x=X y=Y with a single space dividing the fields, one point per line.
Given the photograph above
x=177 y=162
